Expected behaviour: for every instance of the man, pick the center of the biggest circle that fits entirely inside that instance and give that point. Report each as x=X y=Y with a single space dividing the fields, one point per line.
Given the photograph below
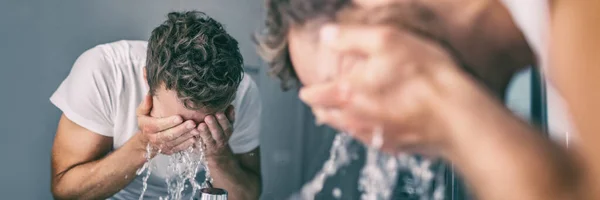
x=188 y=81
x=479 y=35
x=407 y=82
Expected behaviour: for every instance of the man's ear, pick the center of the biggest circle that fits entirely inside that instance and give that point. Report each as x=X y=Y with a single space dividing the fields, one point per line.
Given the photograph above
x=230 y=113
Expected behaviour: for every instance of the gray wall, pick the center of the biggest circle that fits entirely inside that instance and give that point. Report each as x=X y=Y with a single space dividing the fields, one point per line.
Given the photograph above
x=40 y=40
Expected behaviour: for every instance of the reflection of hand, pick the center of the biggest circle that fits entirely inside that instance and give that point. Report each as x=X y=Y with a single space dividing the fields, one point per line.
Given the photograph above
x=169 y=134
x=479 y=34
x=397 y=85
x=215 y=132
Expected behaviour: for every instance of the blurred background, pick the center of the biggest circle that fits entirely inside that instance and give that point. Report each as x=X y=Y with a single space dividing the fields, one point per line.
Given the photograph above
x=40 y=40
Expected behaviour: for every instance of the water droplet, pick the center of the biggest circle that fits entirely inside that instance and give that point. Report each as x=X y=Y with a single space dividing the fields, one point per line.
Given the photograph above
x=337 y=193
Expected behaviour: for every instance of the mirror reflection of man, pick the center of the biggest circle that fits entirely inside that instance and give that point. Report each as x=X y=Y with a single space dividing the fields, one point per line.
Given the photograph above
x=185 y=86
x=480 y=35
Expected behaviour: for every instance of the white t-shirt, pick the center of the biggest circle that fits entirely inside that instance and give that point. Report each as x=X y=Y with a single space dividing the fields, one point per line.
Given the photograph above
x=533 y=18
x=106 y=85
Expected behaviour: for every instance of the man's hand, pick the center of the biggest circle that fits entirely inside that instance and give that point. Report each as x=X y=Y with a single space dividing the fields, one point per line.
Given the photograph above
x=396 y=86
x=215 y=133
x=479 y=34
x=166 y=135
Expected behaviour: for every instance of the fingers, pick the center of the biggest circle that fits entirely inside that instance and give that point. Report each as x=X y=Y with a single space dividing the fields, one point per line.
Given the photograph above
x=150 y=124
x=153 y=125
x=205 y=135
x=215 y=129
x=352 y=38
x=342 y=121
x=226 y=126
x=331 y=94
x=183 y=146
x=175 y=132
x=177 y=141
x=144 y=108
x=230 y=112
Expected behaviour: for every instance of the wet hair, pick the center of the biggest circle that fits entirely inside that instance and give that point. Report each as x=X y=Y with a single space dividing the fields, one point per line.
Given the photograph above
x=192 y=54
x=281 y=16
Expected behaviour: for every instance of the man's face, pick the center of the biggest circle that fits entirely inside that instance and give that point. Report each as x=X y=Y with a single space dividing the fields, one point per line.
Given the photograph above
x=166 y=103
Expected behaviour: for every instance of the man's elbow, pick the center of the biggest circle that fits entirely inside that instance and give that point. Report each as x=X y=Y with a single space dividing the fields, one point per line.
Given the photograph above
x=58 y=192
x=62 y=191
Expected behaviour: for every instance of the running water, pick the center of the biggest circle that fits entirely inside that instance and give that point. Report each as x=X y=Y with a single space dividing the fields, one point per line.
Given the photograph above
x=379 y=175
x=421 y=181
x=147 y=167
x=338 y=157
x=181 y=173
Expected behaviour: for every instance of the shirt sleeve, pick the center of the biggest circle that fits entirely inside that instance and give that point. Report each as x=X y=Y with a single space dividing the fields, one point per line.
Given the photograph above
x=246 y=129
x=85 y=95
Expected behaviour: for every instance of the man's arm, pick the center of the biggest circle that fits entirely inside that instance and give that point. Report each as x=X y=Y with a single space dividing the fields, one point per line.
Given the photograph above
x=239 y=175
x=79 y=170
x=501 y=156
x=574 y=68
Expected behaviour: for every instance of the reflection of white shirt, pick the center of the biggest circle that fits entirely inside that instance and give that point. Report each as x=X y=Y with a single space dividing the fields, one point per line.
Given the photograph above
x=106 y=85
x=533 y=18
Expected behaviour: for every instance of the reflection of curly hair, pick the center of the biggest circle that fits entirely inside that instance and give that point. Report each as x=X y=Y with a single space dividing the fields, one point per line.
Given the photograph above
x=193 y=54
x=281 y=15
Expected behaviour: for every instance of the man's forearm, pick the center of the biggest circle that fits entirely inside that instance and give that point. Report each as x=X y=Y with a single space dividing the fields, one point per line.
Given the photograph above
x=239 y=182
x=502 y=156
x=102 y=178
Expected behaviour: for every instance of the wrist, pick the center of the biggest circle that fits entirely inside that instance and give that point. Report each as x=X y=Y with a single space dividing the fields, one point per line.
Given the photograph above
x=458 y=108
x=138 y=147
x=224 y=159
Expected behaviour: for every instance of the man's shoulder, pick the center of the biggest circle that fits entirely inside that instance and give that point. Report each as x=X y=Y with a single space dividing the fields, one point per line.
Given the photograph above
x=113 y=51
x=111 y=65
x=125 y=50
x=126 y=44
x=247 y=85
x=247 y=93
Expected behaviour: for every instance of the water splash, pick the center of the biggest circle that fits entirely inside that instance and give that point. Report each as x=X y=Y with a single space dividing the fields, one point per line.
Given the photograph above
x=379 y=175
x=338 y=157
x=181 y=172
x=440 y=189
x=148 y=169
x=337 y=193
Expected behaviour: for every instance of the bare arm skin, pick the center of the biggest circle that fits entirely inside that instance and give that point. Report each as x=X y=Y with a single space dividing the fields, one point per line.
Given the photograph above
x=501 y=156
x=575 y=69
x=239 y=175
x=80 y=172
x=81 y=168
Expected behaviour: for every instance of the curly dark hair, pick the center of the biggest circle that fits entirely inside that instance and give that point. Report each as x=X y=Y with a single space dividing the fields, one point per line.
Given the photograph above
x=281 y=16
x=193 y=54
